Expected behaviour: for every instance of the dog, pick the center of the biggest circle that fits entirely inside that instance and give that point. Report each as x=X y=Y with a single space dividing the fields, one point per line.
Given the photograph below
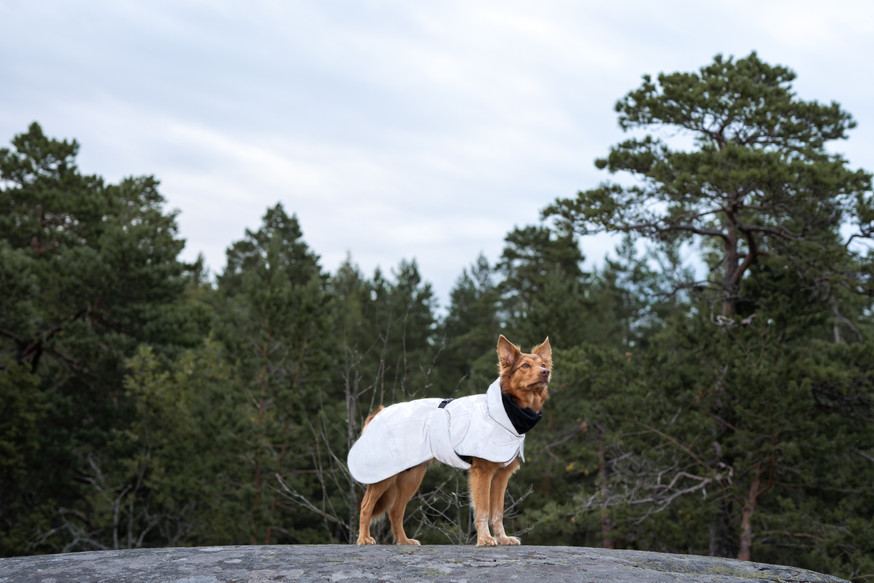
x=480 y=433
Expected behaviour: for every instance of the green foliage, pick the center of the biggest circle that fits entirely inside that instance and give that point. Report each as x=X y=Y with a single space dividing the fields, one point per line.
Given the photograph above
x=89 y=272
x=171 y=475
x=468 y=358
x=22 y=409
x=758 y=180
x=734 y=165
x=275 y=322
x=142 y=405
x=182 y=459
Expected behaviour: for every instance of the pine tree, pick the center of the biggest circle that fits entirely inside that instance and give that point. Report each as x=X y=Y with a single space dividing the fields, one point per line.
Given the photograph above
x=94 y=273
x=746 y=180
x=756 y=181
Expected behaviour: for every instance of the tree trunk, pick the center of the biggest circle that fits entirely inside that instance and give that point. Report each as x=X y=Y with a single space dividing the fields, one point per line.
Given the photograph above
x=721 y=537
x=729 y=292
x=746 y=526
x=606 y=523
x=351 y=390
x=261 y=437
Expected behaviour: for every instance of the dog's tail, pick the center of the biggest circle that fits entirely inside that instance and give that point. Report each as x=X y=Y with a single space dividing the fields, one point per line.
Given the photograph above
x=370 y=417
x=384 y=503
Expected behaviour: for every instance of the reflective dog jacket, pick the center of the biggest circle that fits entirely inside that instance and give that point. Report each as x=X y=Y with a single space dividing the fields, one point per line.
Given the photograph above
x=406 y=434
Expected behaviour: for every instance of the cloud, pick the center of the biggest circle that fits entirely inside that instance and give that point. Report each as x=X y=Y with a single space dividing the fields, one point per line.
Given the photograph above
x=394 y=130
x=811 y=25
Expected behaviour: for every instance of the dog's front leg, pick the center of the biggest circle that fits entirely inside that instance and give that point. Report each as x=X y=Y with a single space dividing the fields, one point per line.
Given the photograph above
x=499 y=487
x=481 y=474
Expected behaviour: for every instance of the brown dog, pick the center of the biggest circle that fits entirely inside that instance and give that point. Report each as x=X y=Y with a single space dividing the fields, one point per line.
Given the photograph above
x=511 y=407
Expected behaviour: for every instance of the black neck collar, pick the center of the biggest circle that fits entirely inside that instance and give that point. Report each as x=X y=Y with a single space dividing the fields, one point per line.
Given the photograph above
x=523 y=419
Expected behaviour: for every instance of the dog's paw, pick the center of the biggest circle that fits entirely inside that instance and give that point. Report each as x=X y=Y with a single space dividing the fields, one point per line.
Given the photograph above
x=409 y=541
x=486 y=541
x=366 y=540
x=509 y=540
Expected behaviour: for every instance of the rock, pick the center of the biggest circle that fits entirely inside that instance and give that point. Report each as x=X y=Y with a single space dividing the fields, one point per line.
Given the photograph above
x=271 y=564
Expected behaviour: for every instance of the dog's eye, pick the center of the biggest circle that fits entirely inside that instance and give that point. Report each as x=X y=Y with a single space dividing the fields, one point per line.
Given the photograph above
x=525 y=365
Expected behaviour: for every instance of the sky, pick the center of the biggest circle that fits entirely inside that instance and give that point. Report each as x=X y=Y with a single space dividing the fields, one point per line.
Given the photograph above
x=393 y=129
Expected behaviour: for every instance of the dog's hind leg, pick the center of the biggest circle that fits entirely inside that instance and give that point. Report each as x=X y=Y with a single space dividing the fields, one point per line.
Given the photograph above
x=377 y=499
x=496 y=502
x=408 y=482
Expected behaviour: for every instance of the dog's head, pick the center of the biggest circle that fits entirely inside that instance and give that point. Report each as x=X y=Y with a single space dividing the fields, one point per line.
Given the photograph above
x=525 y=376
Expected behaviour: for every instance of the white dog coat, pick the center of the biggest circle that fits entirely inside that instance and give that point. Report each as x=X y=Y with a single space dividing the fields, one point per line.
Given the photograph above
x=406 y=434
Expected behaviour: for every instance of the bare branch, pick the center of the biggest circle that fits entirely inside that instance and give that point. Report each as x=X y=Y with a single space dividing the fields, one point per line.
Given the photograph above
x=304 y=502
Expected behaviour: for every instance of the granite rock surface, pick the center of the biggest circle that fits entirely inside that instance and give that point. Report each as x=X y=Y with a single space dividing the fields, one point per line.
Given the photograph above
x=271 y=564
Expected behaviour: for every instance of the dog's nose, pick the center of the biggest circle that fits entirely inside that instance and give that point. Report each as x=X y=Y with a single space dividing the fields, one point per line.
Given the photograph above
x=544 y=372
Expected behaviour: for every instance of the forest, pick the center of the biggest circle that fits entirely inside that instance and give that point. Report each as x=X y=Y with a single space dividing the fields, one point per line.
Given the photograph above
x=720 y=406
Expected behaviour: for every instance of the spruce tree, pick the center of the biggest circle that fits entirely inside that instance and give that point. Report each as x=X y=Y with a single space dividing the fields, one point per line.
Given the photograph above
x=275 y=324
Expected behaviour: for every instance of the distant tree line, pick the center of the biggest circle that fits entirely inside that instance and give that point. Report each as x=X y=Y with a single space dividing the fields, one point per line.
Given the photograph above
x=724 y=410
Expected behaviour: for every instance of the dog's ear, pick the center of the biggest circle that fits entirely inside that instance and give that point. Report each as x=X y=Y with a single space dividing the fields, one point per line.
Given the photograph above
x=508 y=353
x=544 y=351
